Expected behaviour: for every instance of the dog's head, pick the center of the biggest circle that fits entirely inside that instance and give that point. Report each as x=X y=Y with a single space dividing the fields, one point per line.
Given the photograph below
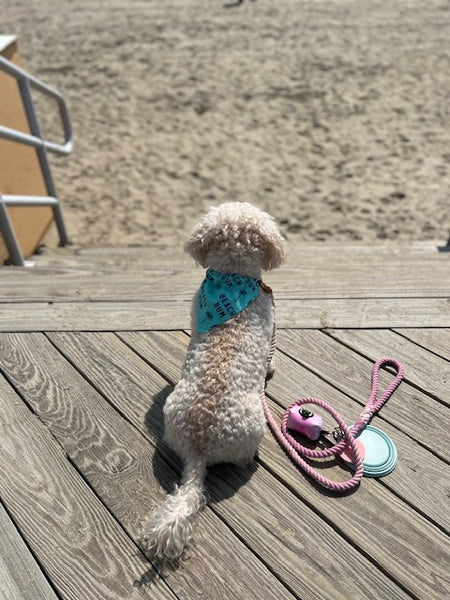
x=237 y=237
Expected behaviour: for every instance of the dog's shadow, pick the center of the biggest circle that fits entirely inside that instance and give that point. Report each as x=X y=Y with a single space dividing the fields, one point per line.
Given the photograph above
x=223 y=480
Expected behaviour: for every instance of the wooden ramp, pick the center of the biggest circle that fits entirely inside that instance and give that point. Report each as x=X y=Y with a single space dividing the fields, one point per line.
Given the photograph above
x=91 y=344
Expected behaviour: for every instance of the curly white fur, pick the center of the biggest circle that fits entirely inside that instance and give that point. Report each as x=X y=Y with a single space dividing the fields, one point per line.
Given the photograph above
x=214 y=414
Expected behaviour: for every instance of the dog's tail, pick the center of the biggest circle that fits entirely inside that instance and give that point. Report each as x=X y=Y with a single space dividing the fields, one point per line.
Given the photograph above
x=169 y=528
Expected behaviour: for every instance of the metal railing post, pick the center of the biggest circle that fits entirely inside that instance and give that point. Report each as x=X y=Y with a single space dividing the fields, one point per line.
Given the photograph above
x=43 y=158
x=15 y=254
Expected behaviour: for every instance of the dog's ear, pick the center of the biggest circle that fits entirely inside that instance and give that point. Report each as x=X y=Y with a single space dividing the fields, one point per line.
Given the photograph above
x=274 y=251
x=197 y=245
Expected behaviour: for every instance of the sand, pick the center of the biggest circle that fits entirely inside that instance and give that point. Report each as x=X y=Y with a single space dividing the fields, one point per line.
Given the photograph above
x=333 y=116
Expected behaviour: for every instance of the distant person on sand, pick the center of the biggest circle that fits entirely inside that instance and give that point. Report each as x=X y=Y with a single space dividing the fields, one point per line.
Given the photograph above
x=236 y=3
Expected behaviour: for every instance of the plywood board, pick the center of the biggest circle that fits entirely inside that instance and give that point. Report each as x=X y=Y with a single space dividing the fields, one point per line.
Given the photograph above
x=20 y=170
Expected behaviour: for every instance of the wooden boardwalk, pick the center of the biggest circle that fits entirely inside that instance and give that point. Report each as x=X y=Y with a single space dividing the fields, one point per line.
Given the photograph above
x=91 y=344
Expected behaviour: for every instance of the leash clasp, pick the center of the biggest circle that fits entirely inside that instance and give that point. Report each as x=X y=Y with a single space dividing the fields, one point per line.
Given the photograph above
x=337 y=434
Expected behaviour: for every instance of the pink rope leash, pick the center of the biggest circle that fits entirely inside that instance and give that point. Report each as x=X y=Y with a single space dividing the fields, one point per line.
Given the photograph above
x=296 y=450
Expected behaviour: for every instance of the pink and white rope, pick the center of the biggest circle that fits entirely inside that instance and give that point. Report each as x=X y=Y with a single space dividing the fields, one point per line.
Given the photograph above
x=296 y=451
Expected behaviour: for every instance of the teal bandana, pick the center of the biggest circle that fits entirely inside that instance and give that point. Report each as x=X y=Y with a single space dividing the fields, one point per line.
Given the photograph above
x=222 y=296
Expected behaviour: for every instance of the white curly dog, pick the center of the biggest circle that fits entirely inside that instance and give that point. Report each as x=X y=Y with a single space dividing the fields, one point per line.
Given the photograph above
x=215 y=414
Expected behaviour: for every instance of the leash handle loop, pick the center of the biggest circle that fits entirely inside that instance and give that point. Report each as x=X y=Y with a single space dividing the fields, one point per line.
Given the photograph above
x=373 y=404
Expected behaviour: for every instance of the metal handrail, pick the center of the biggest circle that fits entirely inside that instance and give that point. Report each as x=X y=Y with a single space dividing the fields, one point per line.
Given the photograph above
x=26 y=80
x=34 y=138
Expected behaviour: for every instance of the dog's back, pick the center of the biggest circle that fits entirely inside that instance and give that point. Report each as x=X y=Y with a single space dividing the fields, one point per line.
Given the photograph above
x=215 y=409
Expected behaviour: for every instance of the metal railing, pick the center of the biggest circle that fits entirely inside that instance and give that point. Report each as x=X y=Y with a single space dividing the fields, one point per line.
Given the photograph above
x=35 y=139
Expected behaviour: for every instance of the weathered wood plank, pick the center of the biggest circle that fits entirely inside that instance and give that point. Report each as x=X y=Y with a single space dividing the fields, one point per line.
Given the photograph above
x=170 y=315
x=167 y=256
x=78 y=285
x=373 y=518
x=410 y=410
x=371 y=313
x=434 y=340
x=148 y=257
x=387 y=249
x=118 y=462
x=82 y=548
x=257 y=505
x=93 y=316
x=328 y=280
x=422 y=368
x=20 y=576
x=171 y=345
